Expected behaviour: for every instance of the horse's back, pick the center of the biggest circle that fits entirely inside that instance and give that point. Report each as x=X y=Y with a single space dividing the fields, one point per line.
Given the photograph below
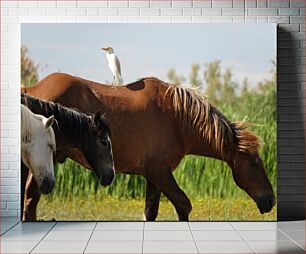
x=139 y=95
x=70 y=90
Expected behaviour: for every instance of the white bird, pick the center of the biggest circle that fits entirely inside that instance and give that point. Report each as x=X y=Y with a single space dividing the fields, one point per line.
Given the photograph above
x=114 y=65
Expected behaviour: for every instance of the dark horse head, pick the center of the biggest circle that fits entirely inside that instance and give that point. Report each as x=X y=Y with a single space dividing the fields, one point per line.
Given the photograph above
x=250 y=175
x=98 y=150
x=248 y=168
x=89 y=134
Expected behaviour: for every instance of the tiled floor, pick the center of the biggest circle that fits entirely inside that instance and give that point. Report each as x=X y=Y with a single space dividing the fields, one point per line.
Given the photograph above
x=152 y=237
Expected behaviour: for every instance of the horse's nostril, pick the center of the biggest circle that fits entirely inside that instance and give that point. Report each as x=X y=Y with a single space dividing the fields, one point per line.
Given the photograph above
x=45 y=182
x=51 y=183
x=47 y=185
x=110 y=178
x=273 y=202
x=107 y=179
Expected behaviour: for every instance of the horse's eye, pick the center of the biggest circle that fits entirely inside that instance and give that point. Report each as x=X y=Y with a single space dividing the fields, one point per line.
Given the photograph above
x=104 y=142
x=51 y=147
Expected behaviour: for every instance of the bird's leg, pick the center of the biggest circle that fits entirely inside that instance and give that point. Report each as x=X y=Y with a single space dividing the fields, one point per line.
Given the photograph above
x=113 y=83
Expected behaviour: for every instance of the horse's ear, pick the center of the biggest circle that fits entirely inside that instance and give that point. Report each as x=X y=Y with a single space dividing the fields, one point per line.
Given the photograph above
x=97 y=117
x=55 y=124
x=49 y=122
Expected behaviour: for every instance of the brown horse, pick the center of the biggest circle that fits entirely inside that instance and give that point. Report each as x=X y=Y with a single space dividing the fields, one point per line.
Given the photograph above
x=154 y=125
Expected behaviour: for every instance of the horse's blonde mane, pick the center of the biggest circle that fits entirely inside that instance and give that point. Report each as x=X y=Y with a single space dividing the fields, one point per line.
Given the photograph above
x=28 y=124
x=198 y=115
x=25 y=124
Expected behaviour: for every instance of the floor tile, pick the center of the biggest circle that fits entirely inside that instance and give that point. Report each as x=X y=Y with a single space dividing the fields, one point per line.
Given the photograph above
x=291 y=225
x=253 y=226
x=296 y=235
x=216 y=236
x=169 y=247
x=166 y=226
x=301 y=243
x=22 y=236
x=17 y=247
x=273 y=235
x=33 y=226
x=69 y=226
x=4 y=228
x=69 y=236
x=221 y=226
x=60 y=247
x=9 y=220
x=276 y=247
x=6 y=224
x=160 y=237
x=120 y=226
x=167 y=236
x=106 y=236
x=273 y=224
x=114 y=247
x=223 y=247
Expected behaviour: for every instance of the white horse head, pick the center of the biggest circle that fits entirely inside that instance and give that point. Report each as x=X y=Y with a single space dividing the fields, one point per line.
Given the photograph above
x=37 y=148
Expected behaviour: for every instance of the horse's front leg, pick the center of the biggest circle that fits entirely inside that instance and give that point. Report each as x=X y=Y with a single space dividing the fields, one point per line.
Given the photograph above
x=152 y=201
x=24 y=177
x=31 y=199
x=167 y=184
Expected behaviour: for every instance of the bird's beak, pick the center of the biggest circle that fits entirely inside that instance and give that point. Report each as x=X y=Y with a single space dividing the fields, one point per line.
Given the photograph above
x=105 y=49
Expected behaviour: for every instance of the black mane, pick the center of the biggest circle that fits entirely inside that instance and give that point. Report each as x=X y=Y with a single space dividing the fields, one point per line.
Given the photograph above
x=71 y=125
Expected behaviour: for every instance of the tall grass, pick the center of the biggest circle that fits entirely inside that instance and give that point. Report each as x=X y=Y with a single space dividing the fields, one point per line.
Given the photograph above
x=199 y=177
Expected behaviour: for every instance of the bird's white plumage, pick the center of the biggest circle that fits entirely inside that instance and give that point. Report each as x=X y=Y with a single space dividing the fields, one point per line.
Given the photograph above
x=114 y=66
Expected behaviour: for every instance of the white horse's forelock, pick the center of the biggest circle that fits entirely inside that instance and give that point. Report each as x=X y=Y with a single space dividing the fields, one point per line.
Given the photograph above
x=30 y=122
x=25 y=124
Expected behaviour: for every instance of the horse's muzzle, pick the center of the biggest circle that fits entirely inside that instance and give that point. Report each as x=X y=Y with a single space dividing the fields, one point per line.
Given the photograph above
x=107 y=178
x=47 y=185
x=265 y=203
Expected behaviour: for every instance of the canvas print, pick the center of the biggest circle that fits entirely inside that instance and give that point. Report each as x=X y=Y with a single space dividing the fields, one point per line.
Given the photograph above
x=133 y=122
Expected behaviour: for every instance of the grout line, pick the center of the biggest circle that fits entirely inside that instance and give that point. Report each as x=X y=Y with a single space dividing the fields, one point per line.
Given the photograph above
x=232 y=226
x=10 y=228
x=193 y=237
x=42 y=238
x=290 y=238
x=90 y=237
x=247 y=243
x=273 y=225
x=143 y=232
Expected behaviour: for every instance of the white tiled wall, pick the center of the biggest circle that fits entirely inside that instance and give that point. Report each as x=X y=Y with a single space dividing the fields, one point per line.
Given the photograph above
x=290 y=14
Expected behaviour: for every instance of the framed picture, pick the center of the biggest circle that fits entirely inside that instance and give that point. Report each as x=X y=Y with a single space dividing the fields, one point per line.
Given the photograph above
x=153 y=121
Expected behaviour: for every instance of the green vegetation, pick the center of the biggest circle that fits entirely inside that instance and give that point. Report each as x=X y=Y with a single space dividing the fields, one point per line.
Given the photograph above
x=208 y=182
x=29 y=75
